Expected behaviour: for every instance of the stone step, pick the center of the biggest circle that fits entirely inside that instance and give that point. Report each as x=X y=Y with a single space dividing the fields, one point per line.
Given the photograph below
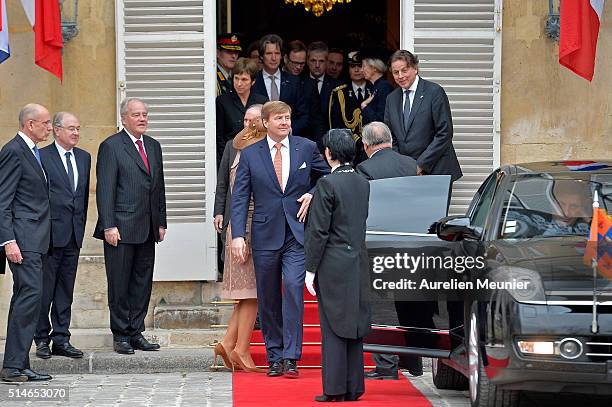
x=192 y=316
x=102 y=339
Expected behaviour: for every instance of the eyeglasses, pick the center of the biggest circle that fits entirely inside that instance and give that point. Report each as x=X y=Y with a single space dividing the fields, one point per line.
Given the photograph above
x=46 y=123
x=297 y=63
x=71 y=129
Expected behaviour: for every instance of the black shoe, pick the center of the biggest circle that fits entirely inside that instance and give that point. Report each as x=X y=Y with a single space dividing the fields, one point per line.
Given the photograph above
x=123 y=347
x=376 y=375
x=9 y=374
x=415 y=373
x=291 y=369
x=66 y=349
x=35 y=377
x=142 y=344
x=324 y=398
x=276 y=369
x=42 y=350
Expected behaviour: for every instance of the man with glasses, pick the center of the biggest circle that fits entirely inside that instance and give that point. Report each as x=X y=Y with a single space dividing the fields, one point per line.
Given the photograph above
x=295 y=58
x=25 y=232
x=67 y=169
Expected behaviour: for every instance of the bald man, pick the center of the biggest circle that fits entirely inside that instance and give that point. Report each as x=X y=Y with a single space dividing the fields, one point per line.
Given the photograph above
x=25 y=231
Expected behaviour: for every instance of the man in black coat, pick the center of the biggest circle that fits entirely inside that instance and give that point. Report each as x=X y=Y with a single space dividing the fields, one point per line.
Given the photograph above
x=383 y=162
x=276 y=84
x=25 y=232
x=67 y=169
x=131 y=200
x=419 y=116
x=337 y=264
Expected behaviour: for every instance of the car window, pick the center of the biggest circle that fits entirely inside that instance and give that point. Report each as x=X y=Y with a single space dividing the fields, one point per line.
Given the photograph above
x=543 y=205
x=484 y=199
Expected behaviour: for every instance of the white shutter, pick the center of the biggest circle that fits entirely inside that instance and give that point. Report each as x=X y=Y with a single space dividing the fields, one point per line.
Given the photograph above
x=459 y=47
x=163 y=54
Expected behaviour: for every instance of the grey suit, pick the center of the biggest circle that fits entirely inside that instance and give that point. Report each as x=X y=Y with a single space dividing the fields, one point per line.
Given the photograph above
x=387 y=163
x=24 y=217
x=132 y=199
x=428 y=135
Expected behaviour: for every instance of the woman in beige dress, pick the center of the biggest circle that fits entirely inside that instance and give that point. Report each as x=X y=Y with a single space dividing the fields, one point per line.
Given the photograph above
x=239 y=278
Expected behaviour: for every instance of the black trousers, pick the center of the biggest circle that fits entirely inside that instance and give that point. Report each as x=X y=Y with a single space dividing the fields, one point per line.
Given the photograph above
x=24 y=310
x=342 y=362
x=129 y=273
x=59 y=275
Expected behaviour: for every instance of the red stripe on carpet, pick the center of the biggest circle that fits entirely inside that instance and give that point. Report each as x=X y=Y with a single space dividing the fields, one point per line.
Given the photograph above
x=257 y=389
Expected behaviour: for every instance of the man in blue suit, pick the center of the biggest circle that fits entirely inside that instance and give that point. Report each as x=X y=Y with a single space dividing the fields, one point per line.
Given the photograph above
x=67 y=169
x=279 y=172
x=276 y=84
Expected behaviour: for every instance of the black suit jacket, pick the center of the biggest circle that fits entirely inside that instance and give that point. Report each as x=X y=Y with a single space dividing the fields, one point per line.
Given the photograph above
x=387 y=163
x=68 y=208
x=335 y=250
x=290 y=93
x=230 y=114
x=128 y=197
x=429 y=136
x=24 y=200
x=223 y=193
x=375 y=110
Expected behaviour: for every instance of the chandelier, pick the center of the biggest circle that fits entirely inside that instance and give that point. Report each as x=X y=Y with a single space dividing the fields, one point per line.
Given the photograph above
x=317 y=7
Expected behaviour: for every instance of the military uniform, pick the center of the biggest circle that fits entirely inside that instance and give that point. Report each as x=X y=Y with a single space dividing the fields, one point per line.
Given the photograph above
x=226 y=42
x=224 y=84
x=345 y=112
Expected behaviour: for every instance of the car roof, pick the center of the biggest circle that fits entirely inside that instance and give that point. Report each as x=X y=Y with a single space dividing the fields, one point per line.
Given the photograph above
x=558 y=167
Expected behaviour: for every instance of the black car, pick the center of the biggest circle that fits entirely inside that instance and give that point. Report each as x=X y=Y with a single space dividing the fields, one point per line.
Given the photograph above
x=544 y=324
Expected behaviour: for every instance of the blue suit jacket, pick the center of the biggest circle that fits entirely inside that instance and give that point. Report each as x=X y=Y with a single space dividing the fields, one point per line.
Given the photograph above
x=68 y=208
x=290 y=93
x=273 y=207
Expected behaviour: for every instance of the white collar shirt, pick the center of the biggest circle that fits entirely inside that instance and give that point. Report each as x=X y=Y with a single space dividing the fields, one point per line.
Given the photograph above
x=357 y=87
x=412 y=90
x=134 y=140
x=268 y=81
x=284 y=156
x=62 y=152
x=319 y=81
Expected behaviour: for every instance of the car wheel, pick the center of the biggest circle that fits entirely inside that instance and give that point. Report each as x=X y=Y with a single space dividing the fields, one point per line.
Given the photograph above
x=482 y=392
x=445 y=377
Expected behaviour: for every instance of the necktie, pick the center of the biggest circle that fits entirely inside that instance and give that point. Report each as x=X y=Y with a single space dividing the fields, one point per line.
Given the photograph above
x=278 y=165
x=143 y=155
x=273 y=89
x=406 y=108
x=319 y=85
x=359 y=96
x=37 y=154
x=70 y=170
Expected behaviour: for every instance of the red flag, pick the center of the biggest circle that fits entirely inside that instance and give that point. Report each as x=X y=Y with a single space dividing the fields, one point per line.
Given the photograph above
x=48 y=37
x=578 y=36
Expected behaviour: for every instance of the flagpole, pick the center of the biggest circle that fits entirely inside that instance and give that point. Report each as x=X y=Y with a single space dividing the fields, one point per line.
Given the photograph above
x=593 y=240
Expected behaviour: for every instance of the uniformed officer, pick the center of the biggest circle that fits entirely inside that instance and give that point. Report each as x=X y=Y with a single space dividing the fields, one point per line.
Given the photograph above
x=228 y=50
x=345 y=101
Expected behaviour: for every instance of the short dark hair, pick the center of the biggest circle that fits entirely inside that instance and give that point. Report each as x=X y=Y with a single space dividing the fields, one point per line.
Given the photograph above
x=254 y=46
x=406 y=56
x=269 y=39
x=245 y=66
x=337 y=51
x=318 y=46
x=341 y=145
x=295 y=46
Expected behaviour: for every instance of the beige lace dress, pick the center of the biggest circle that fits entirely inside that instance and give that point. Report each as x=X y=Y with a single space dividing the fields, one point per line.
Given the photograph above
x=238 y=278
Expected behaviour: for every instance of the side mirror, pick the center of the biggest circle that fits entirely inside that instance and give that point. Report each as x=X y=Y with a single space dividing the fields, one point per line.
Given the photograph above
x=454 y=228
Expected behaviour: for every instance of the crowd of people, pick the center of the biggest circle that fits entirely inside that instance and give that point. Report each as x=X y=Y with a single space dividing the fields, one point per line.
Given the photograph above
x=312 y=146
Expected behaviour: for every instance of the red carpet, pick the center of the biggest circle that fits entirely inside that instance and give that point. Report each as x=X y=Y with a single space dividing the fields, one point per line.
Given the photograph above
x=257 y=389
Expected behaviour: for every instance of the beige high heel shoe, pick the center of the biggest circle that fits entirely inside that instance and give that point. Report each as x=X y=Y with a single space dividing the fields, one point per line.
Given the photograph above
x=237 y=361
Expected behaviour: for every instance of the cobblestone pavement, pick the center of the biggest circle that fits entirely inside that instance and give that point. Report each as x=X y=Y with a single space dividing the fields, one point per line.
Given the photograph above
x=204 y=389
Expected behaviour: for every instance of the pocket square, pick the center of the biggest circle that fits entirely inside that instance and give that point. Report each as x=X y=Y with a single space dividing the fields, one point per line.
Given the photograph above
x=302 y=166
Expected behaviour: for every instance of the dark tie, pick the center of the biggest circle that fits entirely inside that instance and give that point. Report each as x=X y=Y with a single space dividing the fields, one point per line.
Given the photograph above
x=143 y=155
x=406 y=109
x=359 y=96
x=70 y=170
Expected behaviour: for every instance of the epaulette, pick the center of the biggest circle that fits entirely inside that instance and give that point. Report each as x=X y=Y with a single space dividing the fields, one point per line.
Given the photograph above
x=337 y=88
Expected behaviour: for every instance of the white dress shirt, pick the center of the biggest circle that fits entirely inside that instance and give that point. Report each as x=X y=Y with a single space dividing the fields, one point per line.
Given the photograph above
x=134 y=140
x=362 y=87
x=268 y=81
x=284 y=156
x=319 y=81
x=62 y=154
x=412 y=90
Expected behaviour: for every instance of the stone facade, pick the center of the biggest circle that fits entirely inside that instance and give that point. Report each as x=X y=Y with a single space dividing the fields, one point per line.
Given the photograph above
x=547 y=113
